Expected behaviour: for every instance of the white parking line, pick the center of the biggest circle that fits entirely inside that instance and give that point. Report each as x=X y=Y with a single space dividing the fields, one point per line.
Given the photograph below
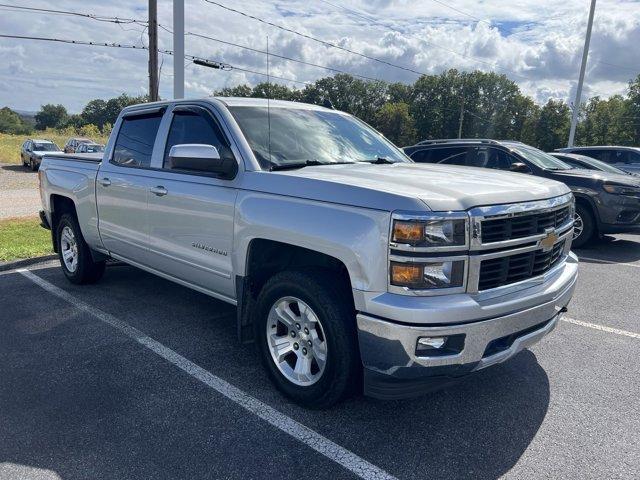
x=598 y=260
x=602 y=328
x=311 y=438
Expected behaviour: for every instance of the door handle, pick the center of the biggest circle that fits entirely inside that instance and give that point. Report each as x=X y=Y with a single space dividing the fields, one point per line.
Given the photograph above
x=105 y=182
x=159 y=191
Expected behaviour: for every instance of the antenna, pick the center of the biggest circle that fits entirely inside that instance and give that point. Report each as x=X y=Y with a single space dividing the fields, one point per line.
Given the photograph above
x=268 y=102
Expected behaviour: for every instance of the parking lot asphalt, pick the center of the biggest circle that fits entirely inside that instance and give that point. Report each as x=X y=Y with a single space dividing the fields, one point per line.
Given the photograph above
x=127 y=379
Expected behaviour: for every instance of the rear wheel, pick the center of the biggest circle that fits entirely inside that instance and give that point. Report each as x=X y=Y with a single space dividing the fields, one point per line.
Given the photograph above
x=306 y=338
x=74 y=253
x=584 y=227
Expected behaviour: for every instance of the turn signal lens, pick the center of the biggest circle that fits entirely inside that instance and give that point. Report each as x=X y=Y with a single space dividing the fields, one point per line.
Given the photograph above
x=406 y=274
x=407 y=232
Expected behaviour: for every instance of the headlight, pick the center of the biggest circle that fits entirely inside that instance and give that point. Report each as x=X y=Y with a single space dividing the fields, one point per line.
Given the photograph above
x=439 y=232
x=618 y=189
x=427 y=275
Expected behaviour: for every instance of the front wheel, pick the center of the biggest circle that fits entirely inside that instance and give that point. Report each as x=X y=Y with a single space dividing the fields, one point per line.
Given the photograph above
x=584 y=227
x=32 y=165
x=74 y=253
x=306 y=338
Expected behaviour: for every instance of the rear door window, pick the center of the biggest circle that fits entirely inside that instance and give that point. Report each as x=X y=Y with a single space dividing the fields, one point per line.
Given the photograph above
x=449 y=155
x=136 y=137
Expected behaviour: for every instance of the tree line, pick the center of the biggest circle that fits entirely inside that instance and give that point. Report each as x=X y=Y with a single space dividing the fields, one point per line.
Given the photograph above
x=471 y=104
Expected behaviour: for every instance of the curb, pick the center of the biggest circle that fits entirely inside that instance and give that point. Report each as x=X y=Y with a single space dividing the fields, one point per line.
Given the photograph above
x=25 y=262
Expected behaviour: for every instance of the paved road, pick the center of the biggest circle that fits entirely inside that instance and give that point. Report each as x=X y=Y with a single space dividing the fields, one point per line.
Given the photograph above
x=19 y=194
x=123 y=380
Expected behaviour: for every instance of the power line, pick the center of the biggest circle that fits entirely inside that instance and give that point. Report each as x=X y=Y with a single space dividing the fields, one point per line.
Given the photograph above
x=99 y=18
x=461 y=12
x=296 y=60
x=315 y=39
x=223 y=66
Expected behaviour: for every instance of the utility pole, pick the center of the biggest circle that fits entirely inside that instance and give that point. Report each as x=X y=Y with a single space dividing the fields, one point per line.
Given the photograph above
x=178 y=49
x=153 y=50
x=583 y=66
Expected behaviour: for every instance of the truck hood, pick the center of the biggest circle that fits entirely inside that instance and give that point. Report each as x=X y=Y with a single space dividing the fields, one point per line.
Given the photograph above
x=413 y=186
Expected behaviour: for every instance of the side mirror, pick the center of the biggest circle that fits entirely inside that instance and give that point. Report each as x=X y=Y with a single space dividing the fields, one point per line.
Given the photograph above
x=195 y=157
x=519 y=167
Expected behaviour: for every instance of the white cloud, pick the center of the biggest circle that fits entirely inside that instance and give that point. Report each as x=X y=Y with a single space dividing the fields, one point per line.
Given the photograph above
x=536 y=43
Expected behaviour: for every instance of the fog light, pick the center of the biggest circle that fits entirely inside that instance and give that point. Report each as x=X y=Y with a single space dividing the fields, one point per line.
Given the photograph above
x=431 y=342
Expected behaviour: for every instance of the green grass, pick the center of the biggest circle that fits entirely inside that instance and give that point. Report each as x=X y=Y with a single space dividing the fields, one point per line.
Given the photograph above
x=23 y=238
x=10 y=144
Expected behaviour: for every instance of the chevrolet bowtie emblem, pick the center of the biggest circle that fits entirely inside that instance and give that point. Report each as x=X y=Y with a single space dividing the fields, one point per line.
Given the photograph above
x=549 y=241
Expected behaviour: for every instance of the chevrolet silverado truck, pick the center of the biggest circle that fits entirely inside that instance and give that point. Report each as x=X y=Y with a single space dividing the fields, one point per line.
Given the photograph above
x=351 y=266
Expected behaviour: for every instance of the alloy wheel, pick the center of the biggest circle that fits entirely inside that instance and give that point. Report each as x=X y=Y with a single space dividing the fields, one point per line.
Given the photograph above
x=296 y=341
x=578 y=226
x=69 y=249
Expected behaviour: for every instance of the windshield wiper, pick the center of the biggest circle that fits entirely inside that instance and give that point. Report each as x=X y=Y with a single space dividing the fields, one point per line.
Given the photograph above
x=380 y=161
x=306 y=163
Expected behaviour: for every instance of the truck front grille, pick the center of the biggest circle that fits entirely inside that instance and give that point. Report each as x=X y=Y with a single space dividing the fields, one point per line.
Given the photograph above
x=497 y=272
x=523 y=225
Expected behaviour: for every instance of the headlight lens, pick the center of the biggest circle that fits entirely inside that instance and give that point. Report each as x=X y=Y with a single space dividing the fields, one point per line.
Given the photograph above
x=428 y=275
x=618 y=189
x=430 y=233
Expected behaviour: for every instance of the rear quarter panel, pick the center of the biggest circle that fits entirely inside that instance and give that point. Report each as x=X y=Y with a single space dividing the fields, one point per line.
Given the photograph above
x=75 y=179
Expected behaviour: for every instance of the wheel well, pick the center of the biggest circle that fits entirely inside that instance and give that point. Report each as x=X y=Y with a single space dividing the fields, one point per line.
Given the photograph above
x=59 y=206
x=586 y=203
x=265 y=258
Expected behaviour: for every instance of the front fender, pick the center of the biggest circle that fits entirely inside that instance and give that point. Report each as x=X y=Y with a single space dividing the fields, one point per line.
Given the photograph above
x=358 y=237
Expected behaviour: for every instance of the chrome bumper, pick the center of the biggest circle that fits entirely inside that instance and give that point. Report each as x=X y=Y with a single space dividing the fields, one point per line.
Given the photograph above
x=394 y=369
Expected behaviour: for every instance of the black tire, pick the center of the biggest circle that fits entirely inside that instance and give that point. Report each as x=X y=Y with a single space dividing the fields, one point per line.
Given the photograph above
x=334 y=309
x=589 y=228
x=32 y=165
x=87 y=270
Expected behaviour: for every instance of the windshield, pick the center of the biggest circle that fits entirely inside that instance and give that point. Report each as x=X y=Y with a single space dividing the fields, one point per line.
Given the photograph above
x=539 y=158
x=314 y=136
x=45 y=147
x=94 y=148
x=605 y=167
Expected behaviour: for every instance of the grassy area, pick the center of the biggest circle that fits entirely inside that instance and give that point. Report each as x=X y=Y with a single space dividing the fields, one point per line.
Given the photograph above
x=10 y=144
x=23 y=238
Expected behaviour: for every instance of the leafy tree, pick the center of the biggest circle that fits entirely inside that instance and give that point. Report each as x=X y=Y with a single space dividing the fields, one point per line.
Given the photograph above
x=552 y=127
x=396 y=123
x=89 y=130
x=606 y=122
x=51 y=116
x=11 y=122
x=99 y=112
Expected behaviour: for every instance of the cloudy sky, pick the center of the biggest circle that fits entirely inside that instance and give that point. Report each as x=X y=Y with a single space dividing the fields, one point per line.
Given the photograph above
x=537 y=43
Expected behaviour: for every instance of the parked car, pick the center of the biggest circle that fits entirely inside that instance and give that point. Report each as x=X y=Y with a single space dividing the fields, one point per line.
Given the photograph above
x=624 y=158
x=350 y=266
x=32 y=151
x=89 y=148
x=605 y=202
x=576 y=160
x=72 y=144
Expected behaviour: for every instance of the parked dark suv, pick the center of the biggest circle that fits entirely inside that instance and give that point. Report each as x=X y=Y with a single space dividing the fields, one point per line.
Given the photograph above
x=605 y=202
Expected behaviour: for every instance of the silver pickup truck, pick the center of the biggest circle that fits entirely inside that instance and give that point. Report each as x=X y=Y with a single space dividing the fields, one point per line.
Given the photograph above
x=351 y=266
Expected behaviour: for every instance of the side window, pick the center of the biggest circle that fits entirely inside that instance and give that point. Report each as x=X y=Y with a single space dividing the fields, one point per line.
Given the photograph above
x=420 y=156
x=620 y=156
x=449 y=156
x=634 y=157
x=597 y=154
x=136 y=136
x=487 y=157
x=192 y=127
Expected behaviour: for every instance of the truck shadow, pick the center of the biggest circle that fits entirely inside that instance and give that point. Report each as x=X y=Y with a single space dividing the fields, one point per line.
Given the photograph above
x=623 y=249
x=15 y=168
x=104 y=398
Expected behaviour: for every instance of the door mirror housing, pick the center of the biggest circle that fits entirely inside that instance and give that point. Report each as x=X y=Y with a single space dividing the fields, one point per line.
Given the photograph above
x=201 y=158
x=519 y=167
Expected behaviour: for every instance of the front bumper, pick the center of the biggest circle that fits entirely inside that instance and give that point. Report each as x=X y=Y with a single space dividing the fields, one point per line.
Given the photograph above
x=394 y=369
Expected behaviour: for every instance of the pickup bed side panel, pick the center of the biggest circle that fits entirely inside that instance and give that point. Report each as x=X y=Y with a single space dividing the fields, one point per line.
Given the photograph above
x=355 y=236
x=74 y=179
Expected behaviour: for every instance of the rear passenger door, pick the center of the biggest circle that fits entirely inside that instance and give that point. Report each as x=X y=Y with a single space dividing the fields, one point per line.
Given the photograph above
x=191 y=213
x=122 y=186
